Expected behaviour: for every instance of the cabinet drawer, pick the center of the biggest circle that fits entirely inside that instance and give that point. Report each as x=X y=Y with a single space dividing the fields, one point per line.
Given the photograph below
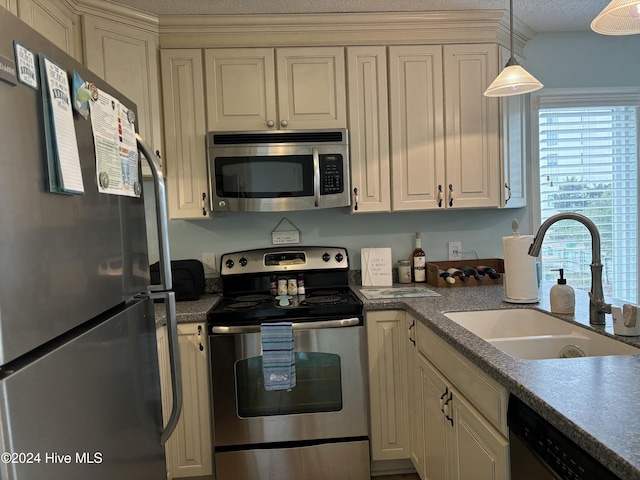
x=486 y=394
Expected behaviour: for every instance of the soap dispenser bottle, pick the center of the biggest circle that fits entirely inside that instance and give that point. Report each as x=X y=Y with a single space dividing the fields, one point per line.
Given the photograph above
x=563 y=298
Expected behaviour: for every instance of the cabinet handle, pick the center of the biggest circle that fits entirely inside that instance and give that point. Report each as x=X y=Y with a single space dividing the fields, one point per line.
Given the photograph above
x=204 y=204
x=284 y=123
x=270 y=123
x=508 y=193
x=411 y=327
x=450 y=195
x=439 y=196
x=446 y=408
x=446 y=392
x=355 y=199
x=200 y=346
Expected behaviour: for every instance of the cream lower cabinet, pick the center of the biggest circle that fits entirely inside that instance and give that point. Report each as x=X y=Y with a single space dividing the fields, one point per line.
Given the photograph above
x=189 y=449
x=185 y=133
x=283 y=88
x=388 y=385
x=463 y=410
x=416 y=414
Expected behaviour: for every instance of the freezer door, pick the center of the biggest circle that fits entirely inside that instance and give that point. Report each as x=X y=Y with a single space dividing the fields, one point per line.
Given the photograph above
x=89 y=408
x=65 y=259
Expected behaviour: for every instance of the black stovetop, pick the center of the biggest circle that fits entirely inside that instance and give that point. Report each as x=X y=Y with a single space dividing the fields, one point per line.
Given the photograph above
x=258 y=307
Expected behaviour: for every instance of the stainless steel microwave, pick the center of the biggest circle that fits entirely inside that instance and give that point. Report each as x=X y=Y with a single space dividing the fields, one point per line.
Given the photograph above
x=275 y=171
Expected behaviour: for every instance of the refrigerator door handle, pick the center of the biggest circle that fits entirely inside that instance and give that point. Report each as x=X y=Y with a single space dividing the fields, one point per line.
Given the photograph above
x=161 y=217
x=174 y=362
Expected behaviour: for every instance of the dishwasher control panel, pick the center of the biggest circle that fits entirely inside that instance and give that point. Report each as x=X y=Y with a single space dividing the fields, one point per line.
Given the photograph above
x=551 y=447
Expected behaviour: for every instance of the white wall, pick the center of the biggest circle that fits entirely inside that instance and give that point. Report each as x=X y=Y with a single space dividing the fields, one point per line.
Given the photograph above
x=558 y=60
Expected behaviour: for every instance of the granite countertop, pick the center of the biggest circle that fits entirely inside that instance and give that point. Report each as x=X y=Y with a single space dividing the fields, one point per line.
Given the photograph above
x=188 y=311
x=593 y=400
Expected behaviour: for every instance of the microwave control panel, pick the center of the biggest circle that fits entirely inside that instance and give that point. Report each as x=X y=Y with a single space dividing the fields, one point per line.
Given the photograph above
x=331 y=174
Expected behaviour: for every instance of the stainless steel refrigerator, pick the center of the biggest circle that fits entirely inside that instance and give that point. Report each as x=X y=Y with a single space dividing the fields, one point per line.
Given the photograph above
x=79 y=378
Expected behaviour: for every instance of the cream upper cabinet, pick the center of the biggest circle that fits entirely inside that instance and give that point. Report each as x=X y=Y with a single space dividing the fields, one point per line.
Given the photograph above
x=514 y=126
x=417 y=127
x=311 y=87
x=444 y=131
x=472 y=123
x=241 y=88
x=368 y=129
x=126 y=57
x=185 y=132
x=188 y=450
x=285 y=88
x=54 y=20
x=388 y=385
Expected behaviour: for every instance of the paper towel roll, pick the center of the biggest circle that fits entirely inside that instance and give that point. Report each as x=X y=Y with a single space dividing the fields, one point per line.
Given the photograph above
x=520 y=279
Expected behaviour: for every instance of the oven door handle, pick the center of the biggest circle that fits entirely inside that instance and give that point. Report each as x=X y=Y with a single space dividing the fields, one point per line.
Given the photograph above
x=236 y=329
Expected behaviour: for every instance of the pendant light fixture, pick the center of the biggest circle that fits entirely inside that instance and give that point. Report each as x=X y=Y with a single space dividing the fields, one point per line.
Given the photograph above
x=513 y=80
x=620 y=17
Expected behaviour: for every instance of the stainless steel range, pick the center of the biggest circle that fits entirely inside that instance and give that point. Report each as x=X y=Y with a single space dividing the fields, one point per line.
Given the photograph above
x=319 y=428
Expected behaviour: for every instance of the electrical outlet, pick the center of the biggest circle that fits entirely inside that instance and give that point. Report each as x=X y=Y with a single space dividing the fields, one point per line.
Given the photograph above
x=209 y=263
x=455 y=250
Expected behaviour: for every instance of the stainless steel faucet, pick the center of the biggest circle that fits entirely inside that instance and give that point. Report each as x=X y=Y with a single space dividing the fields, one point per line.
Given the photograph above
x=597 y=306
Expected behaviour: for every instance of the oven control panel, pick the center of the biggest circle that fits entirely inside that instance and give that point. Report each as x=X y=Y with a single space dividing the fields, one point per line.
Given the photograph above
x=283 y=259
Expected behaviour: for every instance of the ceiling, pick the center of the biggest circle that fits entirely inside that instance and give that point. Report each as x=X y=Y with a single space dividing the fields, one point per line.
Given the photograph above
x=540 y=15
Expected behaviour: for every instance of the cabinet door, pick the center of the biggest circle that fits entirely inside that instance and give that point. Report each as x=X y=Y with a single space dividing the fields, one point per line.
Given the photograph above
x=369 y=129
x=472 y=122
x=436 y=434
x=417 y=127
x=53 y=20
x=241 y=89
x=184 y=121
x=188 y=450
x=479 y=451
x=386 y=337
x=416 y=416
x=311 y=87
x=513 y=127
x=126 y=57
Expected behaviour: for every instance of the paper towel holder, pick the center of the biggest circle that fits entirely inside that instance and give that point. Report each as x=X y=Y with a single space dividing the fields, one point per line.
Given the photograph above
x=522 y=242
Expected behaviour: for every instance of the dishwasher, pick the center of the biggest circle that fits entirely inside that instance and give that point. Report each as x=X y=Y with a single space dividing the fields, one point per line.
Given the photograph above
x=540 y=451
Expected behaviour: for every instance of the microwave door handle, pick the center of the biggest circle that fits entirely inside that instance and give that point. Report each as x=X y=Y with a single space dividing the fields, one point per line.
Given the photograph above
x=316 y=176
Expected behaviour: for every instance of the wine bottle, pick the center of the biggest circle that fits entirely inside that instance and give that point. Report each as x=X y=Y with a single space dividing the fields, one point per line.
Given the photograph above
x=418 y=262
x=472 y=272
x=447 y=277
x=488 y=271
x=456 y=272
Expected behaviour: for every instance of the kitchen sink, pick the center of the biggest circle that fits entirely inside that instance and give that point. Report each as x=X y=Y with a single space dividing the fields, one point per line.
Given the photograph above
x=531 y=334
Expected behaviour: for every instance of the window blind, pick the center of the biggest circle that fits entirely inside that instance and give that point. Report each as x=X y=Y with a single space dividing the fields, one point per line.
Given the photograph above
x=588 y=159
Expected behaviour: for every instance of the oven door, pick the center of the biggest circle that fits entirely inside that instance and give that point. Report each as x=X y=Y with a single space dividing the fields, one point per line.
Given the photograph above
x=328 y=401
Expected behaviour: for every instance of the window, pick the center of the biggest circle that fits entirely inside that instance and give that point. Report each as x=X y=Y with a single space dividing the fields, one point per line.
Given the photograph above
x=588 y=164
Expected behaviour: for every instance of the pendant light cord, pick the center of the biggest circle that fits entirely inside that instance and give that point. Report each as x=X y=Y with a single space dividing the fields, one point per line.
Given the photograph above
x=512 y=57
